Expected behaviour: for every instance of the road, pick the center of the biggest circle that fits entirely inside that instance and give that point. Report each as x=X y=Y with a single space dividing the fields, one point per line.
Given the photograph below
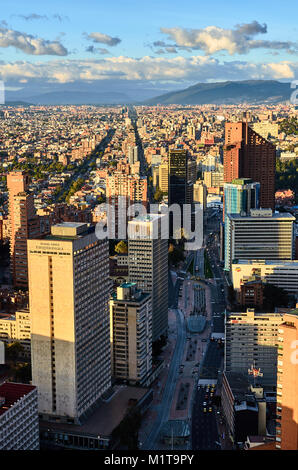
x=204 y=427
x=84 y=168
x=151 y=442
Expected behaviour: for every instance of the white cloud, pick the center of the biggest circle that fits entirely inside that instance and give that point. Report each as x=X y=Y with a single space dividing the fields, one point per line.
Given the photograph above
x=103 y=39
x=213 y=39
x=30 y=44
x=178 y=68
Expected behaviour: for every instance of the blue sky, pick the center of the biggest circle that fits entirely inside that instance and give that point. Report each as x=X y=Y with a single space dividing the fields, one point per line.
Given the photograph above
x=169 y=43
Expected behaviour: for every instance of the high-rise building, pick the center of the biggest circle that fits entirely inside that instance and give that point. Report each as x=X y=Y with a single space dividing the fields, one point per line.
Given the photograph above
x=200 y=194
x=164 y=177
x=260 y=235
x=251 y=340
x=131 y=334
x=70 y=332
x=287 y=383
x=248 y=155
x=281 y=273
x=178 y=175
x=19 y=428
x=23 y=224
x=241 y=195
x=148 y=265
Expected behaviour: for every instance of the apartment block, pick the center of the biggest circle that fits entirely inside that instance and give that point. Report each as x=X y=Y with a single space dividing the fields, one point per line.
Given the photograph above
x=251 y=339
x=23 y=224
x=148 y=265
x=131 y=334
x=16 y=327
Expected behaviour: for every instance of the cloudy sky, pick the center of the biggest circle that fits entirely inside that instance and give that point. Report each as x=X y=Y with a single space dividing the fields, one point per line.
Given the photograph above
x=146 y=45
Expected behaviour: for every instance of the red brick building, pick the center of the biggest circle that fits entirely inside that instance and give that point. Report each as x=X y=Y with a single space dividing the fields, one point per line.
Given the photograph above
x=249 y=155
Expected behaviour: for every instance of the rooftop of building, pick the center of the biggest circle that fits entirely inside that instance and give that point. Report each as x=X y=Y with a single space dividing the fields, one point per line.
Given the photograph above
x=251 y=313
x=267 y=262
x=11 y=392
x=146 y=218
x=241 y=181
x=70 y=231
x=257 y=214
x=135 y=294
x=106 y=417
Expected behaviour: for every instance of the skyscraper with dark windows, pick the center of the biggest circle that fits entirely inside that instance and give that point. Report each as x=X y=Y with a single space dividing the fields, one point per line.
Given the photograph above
x=178 y=171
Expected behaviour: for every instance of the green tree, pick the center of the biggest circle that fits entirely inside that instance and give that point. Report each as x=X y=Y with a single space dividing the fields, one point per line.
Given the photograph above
x=158 y=195
x=13 y=350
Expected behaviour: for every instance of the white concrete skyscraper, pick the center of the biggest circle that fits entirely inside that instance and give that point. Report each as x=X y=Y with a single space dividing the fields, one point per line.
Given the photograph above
x=69 y=291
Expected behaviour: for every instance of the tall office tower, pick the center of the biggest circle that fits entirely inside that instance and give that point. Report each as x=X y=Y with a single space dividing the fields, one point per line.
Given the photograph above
x=260 y=235
x=249 y=155
x=178 y=175
x=241 y=195
x=251 y=339
x=23 y=224
x=200 y=194
x=148 y=265
x=70 y=332
x=131 y=334
x=287 y=383
x=164 y=177
x=19 y=427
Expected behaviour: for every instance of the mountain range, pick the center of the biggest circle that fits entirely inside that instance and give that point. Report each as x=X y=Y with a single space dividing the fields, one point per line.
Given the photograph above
x=231 y=92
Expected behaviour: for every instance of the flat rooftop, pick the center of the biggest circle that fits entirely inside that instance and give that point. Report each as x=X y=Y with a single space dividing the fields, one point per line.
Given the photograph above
x=263 y=216
x=70 y=231
x=267 y=262
x=106 y=417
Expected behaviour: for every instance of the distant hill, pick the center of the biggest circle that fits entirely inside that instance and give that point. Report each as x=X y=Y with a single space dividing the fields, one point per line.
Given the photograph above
x=249 y=91
x=79 y=98
x=15 y=103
